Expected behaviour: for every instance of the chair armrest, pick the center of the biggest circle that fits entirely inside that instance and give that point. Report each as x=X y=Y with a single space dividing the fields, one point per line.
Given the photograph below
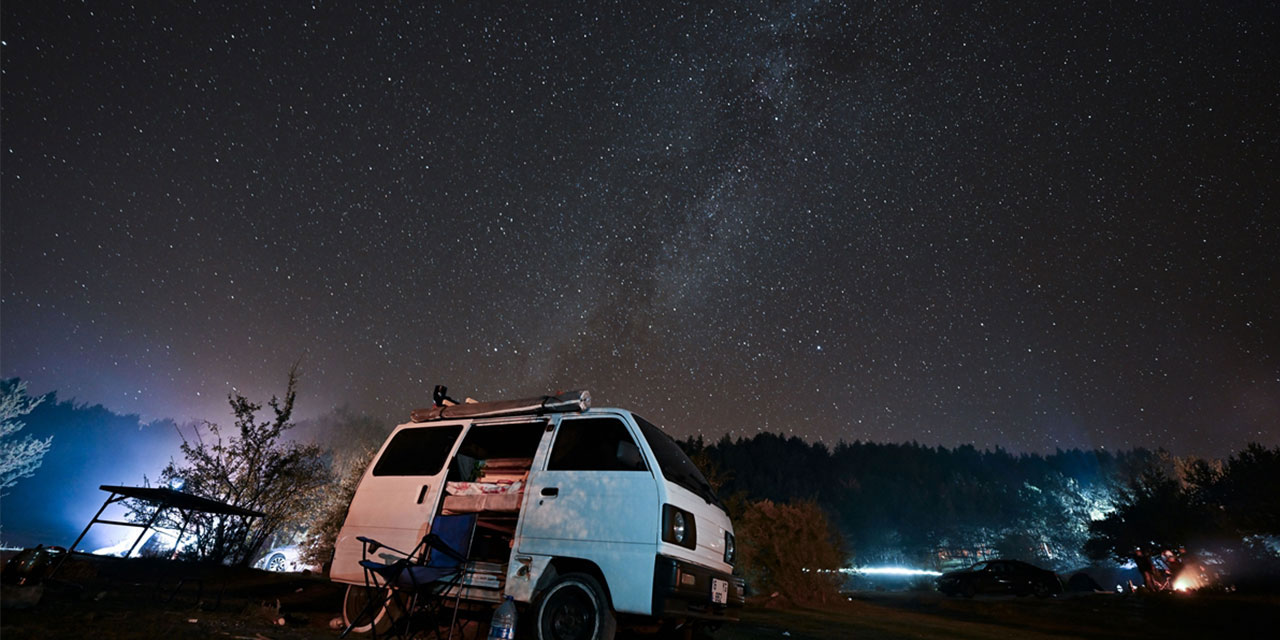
x=369 y=545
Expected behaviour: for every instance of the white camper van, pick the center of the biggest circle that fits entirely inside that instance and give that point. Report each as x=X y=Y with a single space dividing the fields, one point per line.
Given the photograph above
x=587 y=512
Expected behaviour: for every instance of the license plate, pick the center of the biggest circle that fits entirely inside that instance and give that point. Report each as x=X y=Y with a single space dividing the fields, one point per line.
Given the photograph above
x=719 y=591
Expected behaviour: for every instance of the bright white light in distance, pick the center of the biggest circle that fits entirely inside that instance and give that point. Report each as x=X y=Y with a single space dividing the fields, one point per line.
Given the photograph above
x=892 y=571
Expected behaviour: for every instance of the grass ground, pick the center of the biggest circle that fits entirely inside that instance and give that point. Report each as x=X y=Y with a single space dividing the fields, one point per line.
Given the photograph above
x=932 y=615
x=111 y=599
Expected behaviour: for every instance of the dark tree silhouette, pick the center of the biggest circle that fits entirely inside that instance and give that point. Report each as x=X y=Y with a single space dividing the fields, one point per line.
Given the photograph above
x=1228 y=509
x=907 y=503
x=254 y=468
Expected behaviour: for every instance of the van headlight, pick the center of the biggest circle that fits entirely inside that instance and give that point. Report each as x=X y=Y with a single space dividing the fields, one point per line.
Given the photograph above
x=679 y=527
x=729 y=550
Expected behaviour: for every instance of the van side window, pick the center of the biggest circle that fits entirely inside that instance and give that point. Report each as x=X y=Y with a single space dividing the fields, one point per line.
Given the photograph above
x=595 y=444
x=417 y=451
x=508 y=446
x=502 y=441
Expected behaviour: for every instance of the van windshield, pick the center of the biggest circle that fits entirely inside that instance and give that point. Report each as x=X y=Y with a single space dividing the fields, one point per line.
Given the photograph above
x=676 y=466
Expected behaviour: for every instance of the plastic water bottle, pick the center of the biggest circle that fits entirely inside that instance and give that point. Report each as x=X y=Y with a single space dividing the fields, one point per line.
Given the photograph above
x=503 y=626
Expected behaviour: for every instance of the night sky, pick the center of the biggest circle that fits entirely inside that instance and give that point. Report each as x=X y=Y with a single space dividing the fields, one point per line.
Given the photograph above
x=1028 y=226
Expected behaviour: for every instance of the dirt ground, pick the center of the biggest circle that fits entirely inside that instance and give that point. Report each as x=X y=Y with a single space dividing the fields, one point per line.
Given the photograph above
x=112 y=598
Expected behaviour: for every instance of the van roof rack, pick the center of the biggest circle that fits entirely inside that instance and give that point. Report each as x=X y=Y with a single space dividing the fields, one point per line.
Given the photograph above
x=563 y=402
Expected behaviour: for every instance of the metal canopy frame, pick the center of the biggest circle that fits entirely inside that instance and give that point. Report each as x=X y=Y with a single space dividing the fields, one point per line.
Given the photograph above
x=163 y=499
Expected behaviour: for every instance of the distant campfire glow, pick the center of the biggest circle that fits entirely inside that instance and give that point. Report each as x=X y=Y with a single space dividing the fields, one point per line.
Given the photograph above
x=1187 y=581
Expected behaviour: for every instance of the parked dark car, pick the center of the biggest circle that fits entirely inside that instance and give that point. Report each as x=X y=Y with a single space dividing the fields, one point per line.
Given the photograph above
x=1000 y=576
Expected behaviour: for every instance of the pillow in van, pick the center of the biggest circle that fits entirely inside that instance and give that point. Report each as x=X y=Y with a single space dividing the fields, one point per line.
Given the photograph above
x=479 y=488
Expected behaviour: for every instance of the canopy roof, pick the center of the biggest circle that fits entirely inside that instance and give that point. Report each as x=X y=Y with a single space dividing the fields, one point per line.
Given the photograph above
x=166 y=497
x=163 y=499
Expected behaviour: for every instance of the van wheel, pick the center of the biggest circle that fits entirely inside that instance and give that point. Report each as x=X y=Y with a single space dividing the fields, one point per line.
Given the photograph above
x=355 y=607
x=574 y=608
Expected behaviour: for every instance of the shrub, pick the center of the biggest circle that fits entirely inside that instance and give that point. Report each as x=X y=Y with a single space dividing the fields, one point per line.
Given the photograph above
x=790 y=549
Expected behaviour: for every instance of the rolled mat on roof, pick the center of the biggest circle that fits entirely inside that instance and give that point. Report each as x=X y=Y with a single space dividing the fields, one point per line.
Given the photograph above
x=566 y=402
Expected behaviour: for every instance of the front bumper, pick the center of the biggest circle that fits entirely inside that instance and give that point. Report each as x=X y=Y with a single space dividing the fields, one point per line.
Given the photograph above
x=682 y=589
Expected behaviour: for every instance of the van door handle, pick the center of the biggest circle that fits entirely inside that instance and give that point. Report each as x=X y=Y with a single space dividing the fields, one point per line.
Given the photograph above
x=551 y=491
x=423 y=494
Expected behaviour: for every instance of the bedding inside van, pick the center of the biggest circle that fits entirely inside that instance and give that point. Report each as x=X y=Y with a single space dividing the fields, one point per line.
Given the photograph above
x=474 y=497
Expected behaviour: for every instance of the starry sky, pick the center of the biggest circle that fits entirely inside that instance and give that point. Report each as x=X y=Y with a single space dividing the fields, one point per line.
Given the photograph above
x=1005 y=224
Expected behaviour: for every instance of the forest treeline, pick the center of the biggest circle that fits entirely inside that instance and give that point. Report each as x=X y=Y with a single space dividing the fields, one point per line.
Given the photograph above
x=860 y=503
x=937 y=506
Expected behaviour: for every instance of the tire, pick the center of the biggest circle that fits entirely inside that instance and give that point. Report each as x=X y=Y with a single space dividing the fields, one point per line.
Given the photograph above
x=574 y=607
x=1042 y=590
x=354 y=603
x=276 y=562
x=967 y=590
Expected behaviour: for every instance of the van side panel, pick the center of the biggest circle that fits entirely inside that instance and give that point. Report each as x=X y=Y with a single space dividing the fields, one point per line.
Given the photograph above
x=608 y=517
x=391 y=508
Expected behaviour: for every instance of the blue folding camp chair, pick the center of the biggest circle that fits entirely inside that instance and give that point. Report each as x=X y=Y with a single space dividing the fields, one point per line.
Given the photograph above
x=416 y=583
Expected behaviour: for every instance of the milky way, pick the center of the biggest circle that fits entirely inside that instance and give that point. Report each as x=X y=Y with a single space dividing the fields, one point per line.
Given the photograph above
x=1024 y=226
